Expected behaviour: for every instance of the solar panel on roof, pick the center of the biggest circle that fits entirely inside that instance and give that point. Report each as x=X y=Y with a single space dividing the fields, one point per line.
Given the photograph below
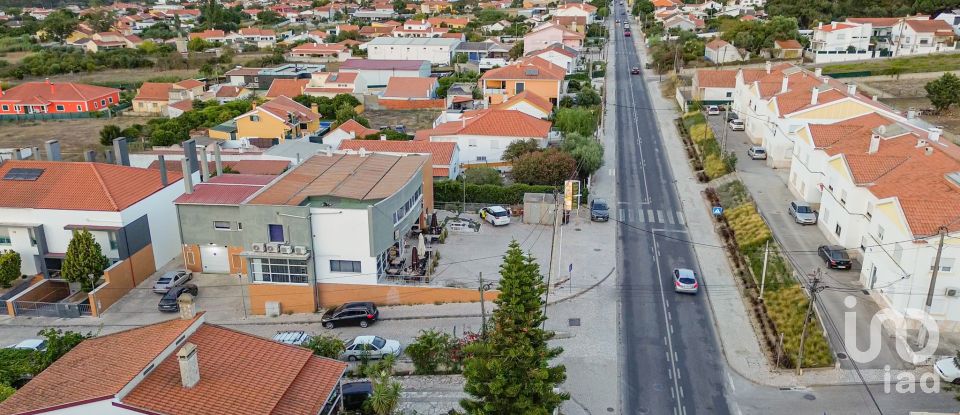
x=23 y=174
x=532 y=72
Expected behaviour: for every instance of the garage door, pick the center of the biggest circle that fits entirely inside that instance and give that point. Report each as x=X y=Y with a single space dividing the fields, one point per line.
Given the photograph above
x=215 y=259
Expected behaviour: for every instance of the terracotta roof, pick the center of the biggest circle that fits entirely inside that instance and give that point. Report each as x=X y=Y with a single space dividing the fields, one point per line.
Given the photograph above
x=717 y=43
x=253 y=31
x=352 y=126
x=531 y=67
x=154 y=91
x=796 y=100
x=410 y=87
x=228 y=91
x=724 y=78
x=184 y=105
x=788 y=44
x=441 y=172
x=491 y=122
x=441 y=152
x=282 y=106
x=558 y=48
x=56 y=91
x=226 y=189
x=319 y=48
x=84 y=373
x=243 y=72
x=208 y=34
x=371 y=177
x=287 y=87
x=529 y=97
x=930 y=26
x=838 y=26
x=189 y=83
x=79 y=186
x=582 y=6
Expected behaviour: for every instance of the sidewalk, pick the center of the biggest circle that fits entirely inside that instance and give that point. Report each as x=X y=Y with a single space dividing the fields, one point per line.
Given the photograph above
x=742 y=352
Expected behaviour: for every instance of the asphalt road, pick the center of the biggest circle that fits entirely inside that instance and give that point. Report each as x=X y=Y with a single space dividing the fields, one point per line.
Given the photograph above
x=671 y=361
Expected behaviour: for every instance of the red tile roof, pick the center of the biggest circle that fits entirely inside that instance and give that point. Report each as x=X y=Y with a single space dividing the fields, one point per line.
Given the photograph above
x=724 y=78
x=208 y=34
x=931 y=26
x=55 y=91
x=491 y=122
x=352 y=126
x=79 y=186
x=410 y=87
x=287 y=87
x=531 y=67
x=228 y=91
x=282 y=106
x=788 y=44
x=154 y=91
x=189 y=83
x=441 y=152
x=875 y=22
x=716 y=44
x=835 y=26
x=529 y=97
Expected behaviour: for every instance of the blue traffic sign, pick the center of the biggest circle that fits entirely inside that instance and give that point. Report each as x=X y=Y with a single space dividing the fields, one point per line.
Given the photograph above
x=717 y=210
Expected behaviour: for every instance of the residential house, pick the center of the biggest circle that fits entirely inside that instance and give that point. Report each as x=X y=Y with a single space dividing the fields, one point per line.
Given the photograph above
x=683 y=22
x=187 y=89
x=478 y=51
x=714 y=86
x=210 y=35
x=559 y=55
x=497 y=27
x=419 y=29
x=528 y=103
x=444 y=156
x=952 y=18
x=111 y=40
x=410 y=88
x=279 y=119
x=152 y=98
x=287 y=87
x=177 y=366
x=547 y=34
x=573 y=23
x=918 y=37
x=375 y=73
x=330 y=84
x=788 y=49
x=245 y=77
x=371 y=32
x=531 y=73
x=266 y=76
x=349 y=130
x=436 y=50
x=841 y=41
x=56 y=97
x=227 y=93
x=720 y=51
x=450 y=22
x=483 y=135
x=263 y=38
x=582 y=10
x=659 y=5
x=320 y=52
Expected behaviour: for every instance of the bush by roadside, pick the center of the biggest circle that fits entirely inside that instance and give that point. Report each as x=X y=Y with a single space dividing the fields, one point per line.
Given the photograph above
x=714 y=162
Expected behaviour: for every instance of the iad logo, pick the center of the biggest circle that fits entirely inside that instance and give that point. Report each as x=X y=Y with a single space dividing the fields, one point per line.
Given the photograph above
x=905 y=382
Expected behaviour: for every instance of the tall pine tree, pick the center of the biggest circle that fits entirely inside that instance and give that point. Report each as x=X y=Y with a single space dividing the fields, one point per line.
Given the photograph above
x=509 y=371
x=84 y=261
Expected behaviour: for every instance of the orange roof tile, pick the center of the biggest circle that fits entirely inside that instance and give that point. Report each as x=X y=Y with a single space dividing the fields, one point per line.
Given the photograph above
x=154 y=91
x=835 y=26
x=441 y=152
x=528 y=96
x=410 y=87
x=930 y=26
x=282 y=106
x=491 y=122
x=531 y=67
x=79 y=186
x=287 y=87
x=788 y=44
x=352 y=126
x=189 y=83
x=724 y=78
x=875 y=22
x=56 y=91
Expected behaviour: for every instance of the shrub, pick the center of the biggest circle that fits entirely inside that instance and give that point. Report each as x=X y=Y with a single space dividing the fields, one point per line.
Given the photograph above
x=714 y=166
x=700 y=133
x=9 y=268
x=326 y=345
x=733 y=194
x=430 y=350
x=483 y=175
x=453 y=191
x=788 y=308
x=749 y=227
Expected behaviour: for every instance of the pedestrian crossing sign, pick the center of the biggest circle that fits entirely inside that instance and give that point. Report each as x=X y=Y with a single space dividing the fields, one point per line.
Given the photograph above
x=717 y=210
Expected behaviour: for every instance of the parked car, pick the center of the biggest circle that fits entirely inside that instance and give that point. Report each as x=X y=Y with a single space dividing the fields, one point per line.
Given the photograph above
x=948 y=369
x=371 y=347
x=355 y=394
x=757 y=153
x=599 y=211
x=737 y=125
x=616 y=21
x=169 y=300
x=732 y=116
x=496 y=215
x=802 y=213
x=685 y=281
x=38 y=345
x=295 y=338
x=172 y=279
x=713 y=110
x=626 y=34
x=359 y=313
x=835 y=256
x=635 y=70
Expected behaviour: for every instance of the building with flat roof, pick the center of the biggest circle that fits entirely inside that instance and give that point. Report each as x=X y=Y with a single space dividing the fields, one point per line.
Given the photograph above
x=437 y=50
x=266 y=76
x=376 y=73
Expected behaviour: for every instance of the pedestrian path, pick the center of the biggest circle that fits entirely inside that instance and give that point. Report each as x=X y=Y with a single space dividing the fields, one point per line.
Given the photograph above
x=650 y=216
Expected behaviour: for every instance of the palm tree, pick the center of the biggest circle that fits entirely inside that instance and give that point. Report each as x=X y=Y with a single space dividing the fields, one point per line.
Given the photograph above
x=386 y=393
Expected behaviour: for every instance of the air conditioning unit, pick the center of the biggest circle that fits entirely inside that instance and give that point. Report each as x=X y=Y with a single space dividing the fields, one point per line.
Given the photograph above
x=258 y=247
x=300 y=250
x=286 y=249
x=273 y=247
x=952 y=292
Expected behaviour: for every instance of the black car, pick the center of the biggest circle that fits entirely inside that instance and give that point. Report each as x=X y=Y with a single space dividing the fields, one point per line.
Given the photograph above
x=361 y=314
x=732 y=116
x=599 y=211
x=835 y=256
x=169 y=300
x=355 y=393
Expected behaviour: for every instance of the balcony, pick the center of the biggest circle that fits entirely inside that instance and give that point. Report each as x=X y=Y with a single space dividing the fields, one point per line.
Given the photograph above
x=494 y=91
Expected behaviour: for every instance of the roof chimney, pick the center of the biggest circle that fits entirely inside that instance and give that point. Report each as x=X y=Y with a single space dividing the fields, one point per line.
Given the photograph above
x=769 y=66
x=819 y=25
x=851 y=89
x=163 y=170
x=108 y=154
x=187 y=176
x=383 y=137
x=818 y=72
x=911 y=113
x=784 y=85
x=876 y=98
x=217 y=160
x=204 y=165
x=190 y=153
x=52 y=90
x=833 y=25
x=189 y=365
x=934 y=134
x=52 y=147
x=362 y=152
x=90 y=156
x=120 y=149
x=814 y=94
x=928 y=151
x=874 y=144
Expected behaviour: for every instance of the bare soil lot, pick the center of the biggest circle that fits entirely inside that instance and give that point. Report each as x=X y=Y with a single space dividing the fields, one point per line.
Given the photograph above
x=76 y=136
x=903 y=94
x=114 y=76
x=413 y=120
x=15 y=57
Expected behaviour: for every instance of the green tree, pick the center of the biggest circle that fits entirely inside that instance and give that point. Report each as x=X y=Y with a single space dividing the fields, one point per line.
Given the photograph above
x=483 y=175
x=588 y=96
x=9 y=268
x=430 y=350
x=586 y=151
x=347 y=112
x=516 y=52
x=385 y=396
x=59 y=25
x=547 y=167
x=520 y=147
x=198 y=44
x=59 y=342
x=944 y=91
x=576 y=120
x=399 y=6
x=101 y=20
x=6 y=391
x=509 y=371
x=84 y=261
x=269 y=17
x=326 y=345
x=108 y=133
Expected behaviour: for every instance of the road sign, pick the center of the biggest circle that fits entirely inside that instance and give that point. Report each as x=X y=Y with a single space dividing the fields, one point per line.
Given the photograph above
x=570 y=268
x=717 y=210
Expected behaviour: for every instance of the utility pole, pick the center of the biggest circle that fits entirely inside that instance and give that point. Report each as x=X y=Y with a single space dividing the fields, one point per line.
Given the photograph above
x=763 y=275
x=483 y=308
x=928 y=305
x=813 y=289
x=726 y=116
x=557 y=214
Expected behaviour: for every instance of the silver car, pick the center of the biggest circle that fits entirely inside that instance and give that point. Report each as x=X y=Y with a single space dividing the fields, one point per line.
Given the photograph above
x=371 y=347
x=685 y=281
x=802 y=213
x=172 y=279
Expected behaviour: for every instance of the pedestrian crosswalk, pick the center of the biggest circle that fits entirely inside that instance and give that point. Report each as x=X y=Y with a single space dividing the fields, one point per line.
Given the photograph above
x=642 y=215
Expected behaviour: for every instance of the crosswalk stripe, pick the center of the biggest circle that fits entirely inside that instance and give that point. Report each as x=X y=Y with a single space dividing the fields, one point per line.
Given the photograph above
x=653 y=219
x=680 y=219
x=669 y=217
x=640 y=217
x=659 y=216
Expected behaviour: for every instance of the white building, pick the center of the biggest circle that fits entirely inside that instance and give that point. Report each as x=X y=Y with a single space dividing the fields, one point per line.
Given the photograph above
x=376 y=73
x=920 y=37
x=436 y=50
x=720 y=51
x=481 y=136
x=560 y=55
x=840 y=41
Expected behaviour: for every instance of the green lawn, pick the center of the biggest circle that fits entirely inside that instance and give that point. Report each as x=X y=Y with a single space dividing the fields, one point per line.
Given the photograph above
x=927 y=63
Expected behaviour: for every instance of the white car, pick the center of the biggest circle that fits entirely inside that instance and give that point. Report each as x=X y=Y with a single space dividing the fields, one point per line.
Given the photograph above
x=373 y=347
x=496 y=215
x=685 y=281
x=713 y=110
x=38 y=345
x=948 y=369
x=737 y=125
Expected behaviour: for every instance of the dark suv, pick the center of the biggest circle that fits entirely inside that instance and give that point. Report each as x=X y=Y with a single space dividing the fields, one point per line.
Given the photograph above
x=361 y=314
x=169 y=300
x=835 y=256
x=599 y=211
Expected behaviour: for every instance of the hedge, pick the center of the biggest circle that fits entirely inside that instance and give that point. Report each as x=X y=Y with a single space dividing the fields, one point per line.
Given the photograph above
x=452 y=191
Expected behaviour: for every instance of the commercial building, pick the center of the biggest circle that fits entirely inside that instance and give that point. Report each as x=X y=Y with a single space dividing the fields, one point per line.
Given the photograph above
x=376 y=73
x=436 y=50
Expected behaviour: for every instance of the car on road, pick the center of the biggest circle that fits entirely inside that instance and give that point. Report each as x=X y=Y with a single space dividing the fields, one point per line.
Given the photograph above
x=626 y=34
x=635 y=70
x=835 y=256
x=732 y=116
x=355 y=394
x=713 y=110
x=496 y=215
x=685 y=281
x=169 y=300
x=357 y=313
x=171 y=279
x=370 y=347
x=737 y=125
x=802 y=213
x=599 y=210
x=757 y=153
x=948 y=369
x=37 y=345
x=617 y=21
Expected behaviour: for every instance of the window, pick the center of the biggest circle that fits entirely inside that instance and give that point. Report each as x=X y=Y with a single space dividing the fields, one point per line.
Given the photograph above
x=869 y=210
x=255 y=118
x=239 y=226
x=79 y=108
x=60 y=108
x=279 y=270
x=110 y=100
x=95 y=105
x=112 y=237
x=520 y=87
x=481 y=158
x=344 y=266
x=837 y=229
x=946 y=264
x=5 y=236
x=879 y=232
x=103 y=102
x=221 y=225
x=33 y=236
x=843 y=197
x=729 y=94
x=6 y=108
x=276 y=233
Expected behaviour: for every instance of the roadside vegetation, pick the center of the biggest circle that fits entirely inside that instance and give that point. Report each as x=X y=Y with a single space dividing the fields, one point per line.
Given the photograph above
x=707 y=152
x=17 y=366
x=898 y=66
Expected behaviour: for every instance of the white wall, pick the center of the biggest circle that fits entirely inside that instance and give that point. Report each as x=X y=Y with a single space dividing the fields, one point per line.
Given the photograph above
x=342 y=234
x=162 y=217
x=526 y=108
x=558 y=59
x=436 y=54
x=473 y=146
x=369 y=78
x=56 y=236
x=716 y=94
